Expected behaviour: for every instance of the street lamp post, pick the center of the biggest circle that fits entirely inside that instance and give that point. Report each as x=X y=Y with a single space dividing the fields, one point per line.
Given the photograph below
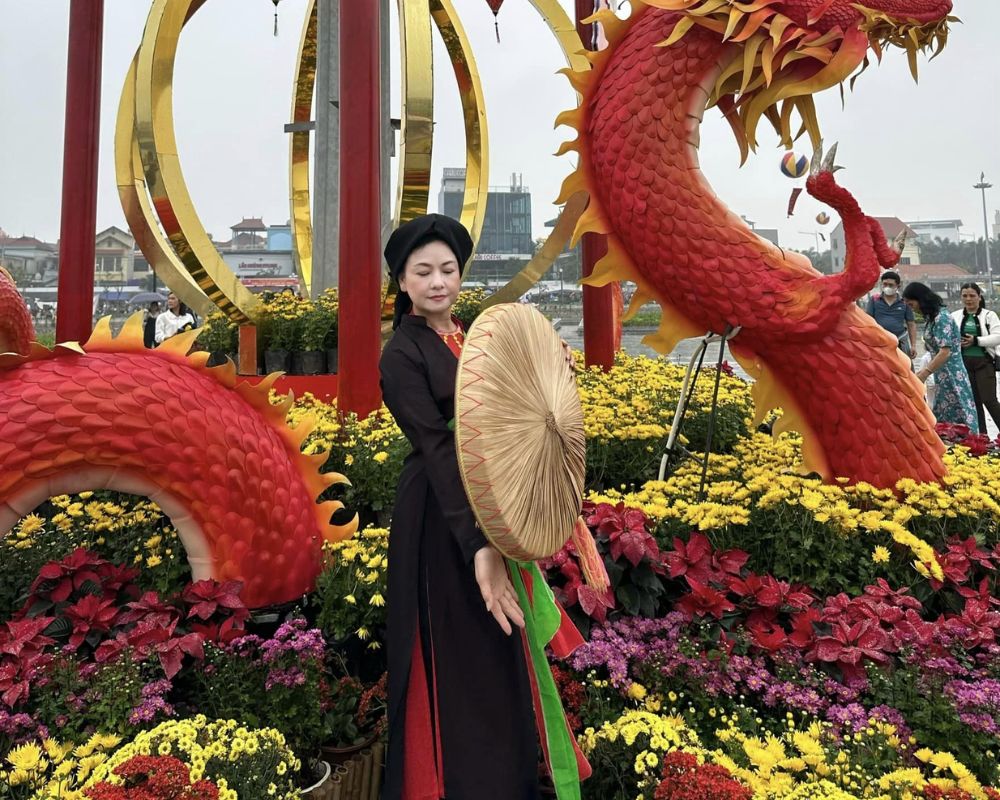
x=982 y=186
x=815 y=235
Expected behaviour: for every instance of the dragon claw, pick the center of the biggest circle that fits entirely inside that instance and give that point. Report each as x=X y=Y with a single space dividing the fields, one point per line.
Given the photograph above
x=831 y=156
x=816 y=165
x=824 y=162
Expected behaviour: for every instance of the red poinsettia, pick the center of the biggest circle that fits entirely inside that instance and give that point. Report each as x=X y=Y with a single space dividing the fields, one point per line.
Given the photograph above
x=66 y=576
x=575 y=590
x=769 y=592
x=217 y=607
x=703 y=600
x=152 y=609
x=696 y=559
x=849 y=645
x=22 y=657
x=91 y=617
x=625 y=529
x=691 y=559
x=976 y=626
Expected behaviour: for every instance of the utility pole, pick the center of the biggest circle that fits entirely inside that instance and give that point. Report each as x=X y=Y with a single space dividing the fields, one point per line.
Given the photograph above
x=982 y=186
x=75 y=312
x=326 y=195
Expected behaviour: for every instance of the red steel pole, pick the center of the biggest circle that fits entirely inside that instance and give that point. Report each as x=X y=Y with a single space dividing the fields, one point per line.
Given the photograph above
x=598 y=302
x=360 y=276
x=75 y=309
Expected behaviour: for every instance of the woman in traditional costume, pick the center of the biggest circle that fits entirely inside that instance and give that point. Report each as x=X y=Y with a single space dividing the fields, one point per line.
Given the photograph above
x=462 y=697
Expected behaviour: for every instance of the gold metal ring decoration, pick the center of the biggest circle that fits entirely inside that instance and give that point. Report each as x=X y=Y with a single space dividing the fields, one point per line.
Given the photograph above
x=298 y=157
x=564 y=30
x=154 y=195
x=139 y=213
x=153 y=133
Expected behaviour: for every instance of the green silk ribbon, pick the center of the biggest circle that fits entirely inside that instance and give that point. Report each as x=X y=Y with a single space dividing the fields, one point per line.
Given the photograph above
x=541 y=621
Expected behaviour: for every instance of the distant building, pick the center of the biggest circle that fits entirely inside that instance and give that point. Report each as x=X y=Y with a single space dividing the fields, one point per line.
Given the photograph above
x=945 y=279
x=892 y=227
x=260 y=254
x=114 y=257
x=928 y=230
x=29 y=260
x=247 y=234
x=771 y=234
x=507 y=225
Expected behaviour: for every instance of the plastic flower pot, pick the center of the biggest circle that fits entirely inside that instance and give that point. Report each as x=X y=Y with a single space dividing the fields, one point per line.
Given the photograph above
x=276 y=361
x=312 y=362
x=217 y=358
x=318 y=789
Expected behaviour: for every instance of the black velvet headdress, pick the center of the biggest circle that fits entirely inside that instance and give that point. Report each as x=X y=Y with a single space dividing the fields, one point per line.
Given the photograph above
x=416 y=233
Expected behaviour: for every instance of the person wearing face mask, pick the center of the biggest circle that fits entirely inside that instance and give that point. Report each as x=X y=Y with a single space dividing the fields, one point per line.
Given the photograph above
x=894 y=315
x=980 y=329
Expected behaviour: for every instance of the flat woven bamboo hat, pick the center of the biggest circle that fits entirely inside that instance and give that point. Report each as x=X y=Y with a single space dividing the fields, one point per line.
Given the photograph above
x=519 y=432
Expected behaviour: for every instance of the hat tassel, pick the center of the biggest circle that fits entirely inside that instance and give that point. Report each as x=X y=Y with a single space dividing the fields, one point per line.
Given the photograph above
x=591 y=561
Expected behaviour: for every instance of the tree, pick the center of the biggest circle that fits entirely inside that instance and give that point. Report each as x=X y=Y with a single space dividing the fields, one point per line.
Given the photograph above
x=820 y=261
x=969 y=255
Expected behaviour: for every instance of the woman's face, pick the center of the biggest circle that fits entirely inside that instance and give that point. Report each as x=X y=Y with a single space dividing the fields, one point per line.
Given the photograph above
x=173 y=303
x=913 y=304
x=970 y=299
x=432 y=279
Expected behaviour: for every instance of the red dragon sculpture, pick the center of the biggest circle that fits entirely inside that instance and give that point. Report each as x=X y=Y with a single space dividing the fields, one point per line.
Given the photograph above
x=214 y=454
x=838 y=377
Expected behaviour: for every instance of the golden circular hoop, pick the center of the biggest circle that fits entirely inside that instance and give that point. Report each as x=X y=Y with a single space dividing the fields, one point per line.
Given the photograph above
x=154 y=195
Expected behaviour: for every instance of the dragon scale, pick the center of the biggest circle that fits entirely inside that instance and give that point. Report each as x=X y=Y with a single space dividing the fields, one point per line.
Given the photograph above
x=214 y=453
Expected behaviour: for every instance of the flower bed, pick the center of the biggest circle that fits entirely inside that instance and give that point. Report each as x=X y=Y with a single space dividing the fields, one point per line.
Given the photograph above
x=775 y=639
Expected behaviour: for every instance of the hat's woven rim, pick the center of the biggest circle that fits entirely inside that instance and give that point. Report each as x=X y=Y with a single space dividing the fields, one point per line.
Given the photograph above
x=486 y=504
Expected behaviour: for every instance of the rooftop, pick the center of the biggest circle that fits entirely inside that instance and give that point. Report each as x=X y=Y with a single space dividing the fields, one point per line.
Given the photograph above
x=893 y=226
x=249 y=224
x=922 y=272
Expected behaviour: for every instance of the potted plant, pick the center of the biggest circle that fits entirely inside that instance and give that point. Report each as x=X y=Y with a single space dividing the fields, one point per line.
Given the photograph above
x=253 y=762
x=328 y=302
x=309 y=357
x=354 y=719
x=280 y=341
x=219 y=337
x=469 y=305
x=350 y=609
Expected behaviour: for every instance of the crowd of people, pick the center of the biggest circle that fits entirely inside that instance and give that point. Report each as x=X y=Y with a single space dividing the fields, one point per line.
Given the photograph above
x=961 y=358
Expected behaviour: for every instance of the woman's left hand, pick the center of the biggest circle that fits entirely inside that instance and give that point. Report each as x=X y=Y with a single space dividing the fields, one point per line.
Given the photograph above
x=923 y=375
x=497 y=590
x=968 y=341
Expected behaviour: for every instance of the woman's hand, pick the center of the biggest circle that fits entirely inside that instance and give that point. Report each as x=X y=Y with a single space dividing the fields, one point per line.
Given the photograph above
x=570 y=358
x=923 y=375
x=496 y=588
x=968 y=341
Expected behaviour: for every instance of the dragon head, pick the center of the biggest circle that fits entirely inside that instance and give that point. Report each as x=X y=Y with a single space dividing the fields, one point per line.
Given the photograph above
x=785 y=51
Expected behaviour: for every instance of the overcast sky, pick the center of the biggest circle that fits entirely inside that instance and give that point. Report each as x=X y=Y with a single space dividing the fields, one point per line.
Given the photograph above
x=910 y=151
